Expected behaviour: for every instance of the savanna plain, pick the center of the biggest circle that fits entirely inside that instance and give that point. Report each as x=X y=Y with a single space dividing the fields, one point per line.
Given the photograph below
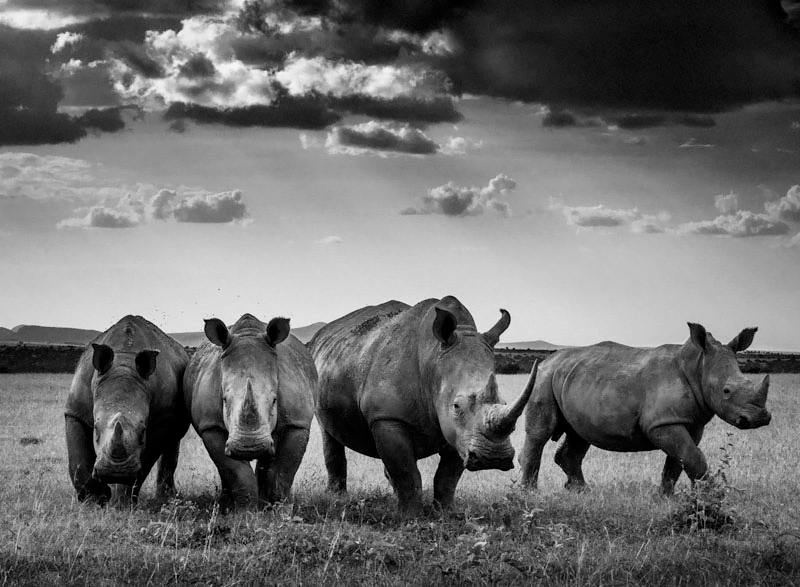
x=744 y=529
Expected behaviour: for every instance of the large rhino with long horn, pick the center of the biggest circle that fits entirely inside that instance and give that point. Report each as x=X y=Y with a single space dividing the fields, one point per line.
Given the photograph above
x=124 y=410
x=402 y=383
x=250 y=392
x=628 y=399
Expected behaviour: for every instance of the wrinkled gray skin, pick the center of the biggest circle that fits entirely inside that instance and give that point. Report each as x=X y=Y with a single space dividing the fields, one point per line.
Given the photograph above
x=250 y=393
x=629 y=399
x=402 y=383
x=125 y=410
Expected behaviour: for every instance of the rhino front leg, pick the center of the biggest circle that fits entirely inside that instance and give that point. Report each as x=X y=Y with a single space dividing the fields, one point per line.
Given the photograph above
x=167 y=464
x=673 y=467
x=396 y=449
x=541 y=419
x=679 y=445
x=335 y=463
x=238 y=479
x=81 y=458
x=275 y=478
x=449 y=471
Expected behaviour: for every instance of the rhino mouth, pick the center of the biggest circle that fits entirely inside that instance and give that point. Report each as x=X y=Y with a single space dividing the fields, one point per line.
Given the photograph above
x=112 y=473
x=250 y=450
x=756 y=421
x=476 y=462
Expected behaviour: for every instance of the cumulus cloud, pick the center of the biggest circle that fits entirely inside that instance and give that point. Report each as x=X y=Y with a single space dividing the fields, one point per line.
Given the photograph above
x=64 y=40
x=133 y=210
x=216 y=208
x=599 y=216
x=787 y=208
x=740 y=224
x=726 y=203
x=693 y=143
x=451 y=200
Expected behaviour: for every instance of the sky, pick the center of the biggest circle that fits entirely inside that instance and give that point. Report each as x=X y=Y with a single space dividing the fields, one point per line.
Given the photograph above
x=603 y=172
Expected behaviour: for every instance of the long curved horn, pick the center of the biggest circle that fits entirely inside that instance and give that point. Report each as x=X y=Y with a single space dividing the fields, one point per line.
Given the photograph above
x=502 y=419
x=761 y=394
x=493 y=334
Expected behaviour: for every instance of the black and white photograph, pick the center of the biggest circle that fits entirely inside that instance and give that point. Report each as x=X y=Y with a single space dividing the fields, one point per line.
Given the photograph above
x=400 y=292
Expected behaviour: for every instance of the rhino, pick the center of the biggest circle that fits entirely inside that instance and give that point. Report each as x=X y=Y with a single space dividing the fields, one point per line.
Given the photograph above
x=125 y=410
x=250 y=393
x=402 y=383
x=628 y=399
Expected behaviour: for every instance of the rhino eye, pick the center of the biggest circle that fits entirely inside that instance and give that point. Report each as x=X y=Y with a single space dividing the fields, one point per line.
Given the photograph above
x=726 y=391
x=457 y=406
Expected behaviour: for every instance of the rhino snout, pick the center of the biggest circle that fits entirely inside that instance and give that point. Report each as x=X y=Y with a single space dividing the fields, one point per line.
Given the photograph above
x=480 y=457
x=757 y=420
x=249 y=448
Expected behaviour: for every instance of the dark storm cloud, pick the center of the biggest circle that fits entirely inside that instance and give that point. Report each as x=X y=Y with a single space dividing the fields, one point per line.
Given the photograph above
x=198 y=66
x=404 y=108
x=109 y=7
x=306 y=112
x=373 y=135
x=135 y=57
x=680 y=55
x=106 y=119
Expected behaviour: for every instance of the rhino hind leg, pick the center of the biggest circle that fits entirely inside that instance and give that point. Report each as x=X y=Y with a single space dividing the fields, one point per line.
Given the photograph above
x=275 y=478
x=447 y=476
x=569 y=457
x=81 y=458
x=335 y=463
x=396 y=449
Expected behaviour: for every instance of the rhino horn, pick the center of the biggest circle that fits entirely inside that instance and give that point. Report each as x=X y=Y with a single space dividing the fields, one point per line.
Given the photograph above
x=503 y=419
x=117 y=449
x=493 y=334
x=248 y=415
x=761 y=394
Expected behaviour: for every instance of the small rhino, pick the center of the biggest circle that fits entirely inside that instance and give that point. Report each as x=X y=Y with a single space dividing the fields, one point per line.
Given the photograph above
x=124 y=410
x=628 y=399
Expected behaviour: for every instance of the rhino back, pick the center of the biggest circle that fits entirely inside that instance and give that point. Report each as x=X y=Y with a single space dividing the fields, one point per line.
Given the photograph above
x=133 y=334
x=606 y=391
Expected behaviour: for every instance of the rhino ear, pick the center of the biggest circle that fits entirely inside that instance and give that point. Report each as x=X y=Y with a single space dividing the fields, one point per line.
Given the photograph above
x=102 y=358
x=217 y=332
x=444 y=326
x=277 y=330
x=698 y=335
x=146 y=362
x=743 y=340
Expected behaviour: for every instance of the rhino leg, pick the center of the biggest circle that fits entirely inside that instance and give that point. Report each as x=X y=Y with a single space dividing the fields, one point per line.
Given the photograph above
x=541 y=420
x=673 y=467
x=335 y=463
x=569 y=457
x=449 y=471
x=396 y=449
x=167 y=464
x=238 y=479
x=677 y=442
x=81 y=458
x=275 y=478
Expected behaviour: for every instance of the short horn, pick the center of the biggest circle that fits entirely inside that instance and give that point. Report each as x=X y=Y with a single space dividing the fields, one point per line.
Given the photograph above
x=248 y=416
x=117 y=450
x=493 y=334
x=763 y=389
x=503 y=420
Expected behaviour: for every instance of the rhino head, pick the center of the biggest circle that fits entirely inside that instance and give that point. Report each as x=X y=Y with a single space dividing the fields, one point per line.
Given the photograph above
x=121 y=410
x=249 y=379
x=472 y=417
x=731 y=395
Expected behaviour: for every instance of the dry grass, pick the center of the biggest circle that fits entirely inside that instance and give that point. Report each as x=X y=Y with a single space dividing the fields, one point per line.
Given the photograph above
x=617 y=533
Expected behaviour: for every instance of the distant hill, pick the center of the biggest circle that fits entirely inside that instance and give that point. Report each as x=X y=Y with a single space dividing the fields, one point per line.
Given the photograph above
x=8 y=335
x=53 y=334
x=304 y=333
x=537 y=345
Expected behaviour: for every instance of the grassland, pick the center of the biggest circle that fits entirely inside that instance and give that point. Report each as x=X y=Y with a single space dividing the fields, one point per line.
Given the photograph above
x=617 y=533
